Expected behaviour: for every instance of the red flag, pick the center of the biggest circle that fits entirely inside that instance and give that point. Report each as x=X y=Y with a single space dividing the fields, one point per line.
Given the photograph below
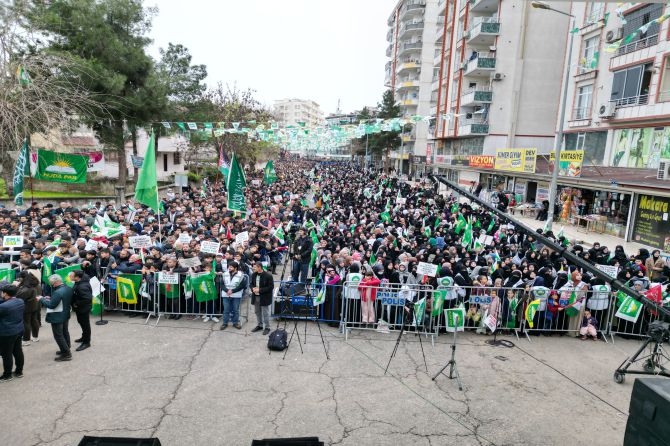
x=655 y=293
x=229 y=235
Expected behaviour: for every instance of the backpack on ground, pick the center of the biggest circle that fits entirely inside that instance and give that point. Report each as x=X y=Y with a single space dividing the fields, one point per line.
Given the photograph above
x=278 y=340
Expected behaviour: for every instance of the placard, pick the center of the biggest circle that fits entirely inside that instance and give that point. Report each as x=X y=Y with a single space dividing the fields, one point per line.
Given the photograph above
x=455 y=319
x=168 y=278
x=255 y=182
x=209 y=247
x=492 y=322
x=91 y=245
x=12 y=241
x=190 y=262
x=426 y=269
x=610 y=270
x=96 y=286
x=486 y=240
x=184 y=238
x=140 y=241
x=401 y=200
x=278 y=198
x=242 y=237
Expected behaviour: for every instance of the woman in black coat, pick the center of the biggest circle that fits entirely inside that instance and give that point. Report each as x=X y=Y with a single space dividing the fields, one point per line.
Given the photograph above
x=29 y=288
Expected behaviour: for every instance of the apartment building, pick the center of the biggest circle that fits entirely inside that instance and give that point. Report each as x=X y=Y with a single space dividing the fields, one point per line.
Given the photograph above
x=298 y=112
x=411 y=50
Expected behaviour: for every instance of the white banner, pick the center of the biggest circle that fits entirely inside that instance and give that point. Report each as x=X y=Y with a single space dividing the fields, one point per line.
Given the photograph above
x=210 y=247
x=190 y=263
x=169 y=278
x=241 y=237
x=184 y=238
x=426 y=269
x=610 y=270
x=12 y=241
x=140 y=241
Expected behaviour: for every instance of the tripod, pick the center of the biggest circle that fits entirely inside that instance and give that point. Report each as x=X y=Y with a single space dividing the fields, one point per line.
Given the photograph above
x=408 y=308
x=102 y=321
x=654 y=362
x=453 y=371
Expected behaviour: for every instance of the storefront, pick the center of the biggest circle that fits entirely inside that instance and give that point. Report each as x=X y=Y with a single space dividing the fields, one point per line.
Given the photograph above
x=601 y=210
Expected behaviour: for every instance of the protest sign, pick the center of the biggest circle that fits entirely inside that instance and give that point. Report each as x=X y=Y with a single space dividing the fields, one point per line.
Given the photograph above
x=189 y=263
x=426 y=269
x=12 y=241
x=242 y=237
x=168 y=278
x=184 y=238
x=210 y=247
x=140 y=241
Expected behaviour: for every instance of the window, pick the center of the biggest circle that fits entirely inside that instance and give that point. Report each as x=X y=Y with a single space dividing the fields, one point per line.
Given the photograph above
x=594 y=12
x=176 y=158
x=631 y=86
x=165 y=162
x=641 y=18
x=664 y=94
x=589 y=59
x=584 y=94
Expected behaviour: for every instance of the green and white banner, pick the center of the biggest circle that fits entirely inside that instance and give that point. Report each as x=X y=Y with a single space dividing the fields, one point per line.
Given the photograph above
x=236 y=185
x=61 y=167
x=629 y=310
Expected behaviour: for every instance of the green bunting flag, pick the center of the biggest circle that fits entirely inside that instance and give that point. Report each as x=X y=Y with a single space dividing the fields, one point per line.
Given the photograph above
x=269 y=174
x=531 y=309
x=61 y=167
x=64 y=273
x=419 y=312
x=128 y=287
x=573 y=306
x=438 y=302
x=146 y=189
x=236 y=185
x=7 y=274
x=455 y=318
x=21 y=169
x=280 y=235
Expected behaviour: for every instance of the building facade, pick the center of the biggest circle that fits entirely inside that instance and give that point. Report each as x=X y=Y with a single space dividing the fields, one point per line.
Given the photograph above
x=411 y=50
x=298 y=112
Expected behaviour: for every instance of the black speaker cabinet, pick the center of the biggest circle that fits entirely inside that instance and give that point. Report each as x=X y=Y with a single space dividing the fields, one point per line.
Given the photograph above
x=297 y=441
x=649 y=413
x=118 y=441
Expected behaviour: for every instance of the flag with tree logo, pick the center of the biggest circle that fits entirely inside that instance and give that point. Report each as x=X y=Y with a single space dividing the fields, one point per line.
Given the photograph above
x=64 y=273
x=128 y=287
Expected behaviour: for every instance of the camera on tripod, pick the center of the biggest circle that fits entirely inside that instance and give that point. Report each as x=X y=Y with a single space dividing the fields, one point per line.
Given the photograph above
x=659 y=331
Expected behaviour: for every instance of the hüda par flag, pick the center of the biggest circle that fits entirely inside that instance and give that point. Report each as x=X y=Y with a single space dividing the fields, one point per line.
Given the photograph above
x=146 y=189
x=419 y=312
x=64 y=273
x=270 y=176
x=236 y=185
x=21 y=169
x=629 y=310
x=531 y=309
x=204 y=287
x=127 y=287
x=455 y=319
x=61 y=167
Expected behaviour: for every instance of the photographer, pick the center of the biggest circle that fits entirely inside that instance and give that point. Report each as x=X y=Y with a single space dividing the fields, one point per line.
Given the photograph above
x=301 y=253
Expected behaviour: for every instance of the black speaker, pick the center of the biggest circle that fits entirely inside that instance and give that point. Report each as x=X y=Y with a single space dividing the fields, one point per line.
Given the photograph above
x=296 y=441
x=118 y=441
x=649 y=413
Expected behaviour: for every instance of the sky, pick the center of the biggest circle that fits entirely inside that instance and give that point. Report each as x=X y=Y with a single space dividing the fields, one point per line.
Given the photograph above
x=322 y=50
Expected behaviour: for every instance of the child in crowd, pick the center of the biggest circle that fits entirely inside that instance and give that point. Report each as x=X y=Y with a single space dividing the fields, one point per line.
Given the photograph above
x=589 y=326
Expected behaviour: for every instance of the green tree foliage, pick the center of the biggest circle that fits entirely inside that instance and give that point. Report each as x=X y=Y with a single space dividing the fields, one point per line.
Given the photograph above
x=109 y=38
x=380 y=144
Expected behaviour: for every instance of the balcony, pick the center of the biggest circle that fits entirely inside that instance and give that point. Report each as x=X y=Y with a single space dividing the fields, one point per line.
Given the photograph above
x=389 y=50
x=409 y=102
x=473 y=127
x=410 y=46
x=642 y=99
x=637 y=45
x=477 y=96
x=483 y=31
x=482 y=64
x=413 y=8
x=408 y=64
x=407 y=137
x=483 y=6
x=410 y=28
x=407 y=83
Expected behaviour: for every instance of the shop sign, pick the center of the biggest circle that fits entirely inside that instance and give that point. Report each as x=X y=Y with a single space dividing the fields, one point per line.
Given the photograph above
x=570 y=164
x=460 y=160
x=652 y=224
x=516 y=160
x=482 y=161
x=429 y=153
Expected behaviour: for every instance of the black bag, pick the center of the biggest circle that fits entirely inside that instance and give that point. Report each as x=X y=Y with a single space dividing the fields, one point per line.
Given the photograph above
x=278 y=340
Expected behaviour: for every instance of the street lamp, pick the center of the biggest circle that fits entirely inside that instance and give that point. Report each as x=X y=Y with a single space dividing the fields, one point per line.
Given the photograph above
x=553 y=186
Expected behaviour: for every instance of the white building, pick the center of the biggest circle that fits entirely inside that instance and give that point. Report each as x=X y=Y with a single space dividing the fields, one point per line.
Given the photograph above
x=170 y=152
x=411 y=50
x=298 y=112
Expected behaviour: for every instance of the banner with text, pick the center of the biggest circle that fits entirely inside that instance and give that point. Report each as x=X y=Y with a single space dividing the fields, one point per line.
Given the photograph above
x=516 y=160
x=652 y=224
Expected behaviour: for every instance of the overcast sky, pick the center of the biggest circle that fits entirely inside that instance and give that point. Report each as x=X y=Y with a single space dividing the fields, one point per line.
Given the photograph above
x=322 y=50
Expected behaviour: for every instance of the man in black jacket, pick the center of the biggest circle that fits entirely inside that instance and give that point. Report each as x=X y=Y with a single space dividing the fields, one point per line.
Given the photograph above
x=301 y=254
x=82 y=298
x=261 y=296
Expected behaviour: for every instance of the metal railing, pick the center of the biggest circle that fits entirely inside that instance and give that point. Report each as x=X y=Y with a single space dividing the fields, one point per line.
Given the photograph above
x=634 y=100
x=580 y=113
x=637 y=45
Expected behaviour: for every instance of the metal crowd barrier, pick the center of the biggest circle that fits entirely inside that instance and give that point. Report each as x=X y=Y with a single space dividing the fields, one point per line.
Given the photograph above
x=300 y=300
x=618 y=326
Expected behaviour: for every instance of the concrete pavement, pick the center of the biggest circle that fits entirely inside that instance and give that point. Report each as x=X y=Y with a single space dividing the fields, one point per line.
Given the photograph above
x=188 y=383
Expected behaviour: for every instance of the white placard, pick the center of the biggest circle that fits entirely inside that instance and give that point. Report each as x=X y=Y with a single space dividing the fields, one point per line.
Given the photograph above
x=140 y=241
x=12 y=241
x=278 y=198
x=169 y=278
x=184 y=238
x=401 y=200
x=190 y=263
x=610 y=270
x=91 y=245
x=492 y=322
x=295 y=196
x=486 y=240
x=96 y=286
x=256 y=182
x=371 y=241
x=210 y=247
x=426 y=269
x=242 y=237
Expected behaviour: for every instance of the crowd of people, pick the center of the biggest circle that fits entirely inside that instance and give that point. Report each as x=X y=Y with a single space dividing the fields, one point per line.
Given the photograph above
x=324 y=223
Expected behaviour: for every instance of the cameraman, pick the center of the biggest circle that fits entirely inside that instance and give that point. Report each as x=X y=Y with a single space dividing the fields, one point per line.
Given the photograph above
x=301 y=253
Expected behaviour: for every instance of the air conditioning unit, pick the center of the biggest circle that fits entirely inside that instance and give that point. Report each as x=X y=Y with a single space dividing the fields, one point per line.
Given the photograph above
x=663 y=171
x=607 y=110
x=468 y=116
x=614 y=34
x=464 y=65
x=498 y=76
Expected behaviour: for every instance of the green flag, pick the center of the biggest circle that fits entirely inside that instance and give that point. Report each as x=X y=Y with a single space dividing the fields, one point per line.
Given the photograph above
x=419 y=312
x=454 y=207
x=511 y=322
x=373 y=259
x=531 y=309
x=22 y=75
x=438 y=302
x=64 y=273
x=204 y=287
x=467 y=235
x=460 y=224
x=128 y=287
x=21 y=169
x=169 y=290
x=385 y=217
x=315 y=249
x=455 y=319
x=629 y=310
x=280 y=235
x=236 y=185
x=270 y=176
x=491 y=224
x=573 y=305
x=61 y=167
x=8 y=274
x=46 y=267
x=437 y=222
x=146 y=189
